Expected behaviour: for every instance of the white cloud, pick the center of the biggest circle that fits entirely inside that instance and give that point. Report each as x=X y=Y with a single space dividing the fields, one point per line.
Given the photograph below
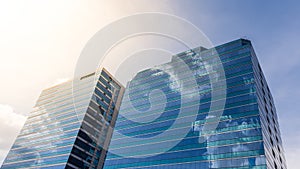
x=10 y=126
x=59 y=81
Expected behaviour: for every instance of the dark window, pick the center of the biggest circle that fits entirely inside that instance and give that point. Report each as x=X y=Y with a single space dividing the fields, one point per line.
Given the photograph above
x=277 y=139
x=274 y=120
x=269 y=129
x=278 y=148
x=84 y=145
x=275 y=165
x=82 y=134
x=266 y=109
x=265 y=101
x=75 y=161
x=271 y=141
x=272 y=112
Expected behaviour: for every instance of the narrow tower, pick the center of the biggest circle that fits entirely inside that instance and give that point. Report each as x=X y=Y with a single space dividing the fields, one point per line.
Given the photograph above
x=70 y=126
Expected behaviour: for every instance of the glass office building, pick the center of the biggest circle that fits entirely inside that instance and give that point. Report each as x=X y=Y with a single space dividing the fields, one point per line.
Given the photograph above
x=70 y=126
x=215 y=114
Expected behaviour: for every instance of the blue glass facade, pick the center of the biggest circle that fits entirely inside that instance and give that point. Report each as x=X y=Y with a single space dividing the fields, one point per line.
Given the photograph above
x=152 y=132
x=70 y=126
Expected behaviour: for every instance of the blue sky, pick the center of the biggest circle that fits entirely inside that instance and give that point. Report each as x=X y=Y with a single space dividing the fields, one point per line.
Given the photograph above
x=35 y=39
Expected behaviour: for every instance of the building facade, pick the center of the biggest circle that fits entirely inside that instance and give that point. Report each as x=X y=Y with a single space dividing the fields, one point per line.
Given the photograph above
x=215 y=114
x=70 y=126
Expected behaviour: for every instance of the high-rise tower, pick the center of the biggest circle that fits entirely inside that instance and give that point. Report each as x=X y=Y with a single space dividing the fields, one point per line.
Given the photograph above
x=70 y=126
x=208 y=115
